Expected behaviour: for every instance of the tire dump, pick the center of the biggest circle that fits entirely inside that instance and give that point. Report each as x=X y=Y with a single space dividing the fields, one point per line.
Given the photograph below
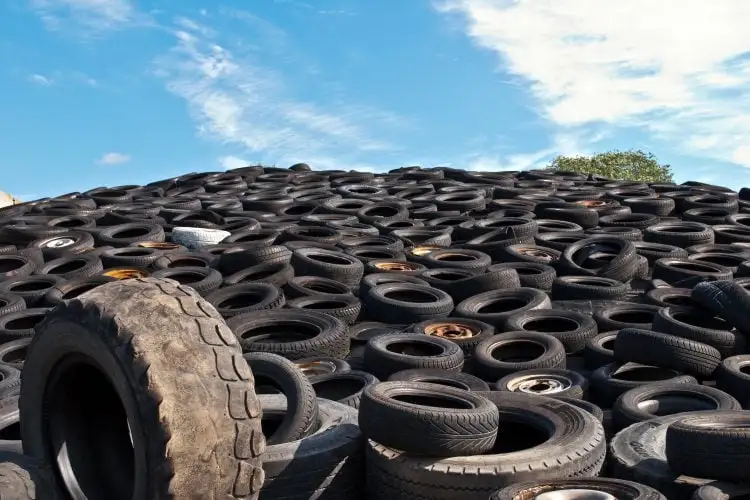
x=420 y=334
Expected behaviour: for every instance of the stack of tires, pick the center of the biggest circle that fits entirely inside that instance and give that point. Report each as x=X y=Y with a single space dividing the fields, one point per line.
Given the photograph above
x=421 y=333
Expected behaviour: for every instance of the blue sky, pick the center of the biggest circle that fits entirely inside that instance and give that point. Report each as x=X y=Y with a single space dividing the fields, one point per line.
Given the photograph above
x=107 y=92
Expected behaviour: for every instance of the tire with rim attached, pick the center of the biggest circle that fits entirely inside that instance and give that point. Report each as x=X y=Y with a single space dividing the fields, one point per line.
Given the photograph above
x=442 y=421
x=510 y=352
x=139 y=333
x=550 y=382
x=573 y=488
x=466 y=333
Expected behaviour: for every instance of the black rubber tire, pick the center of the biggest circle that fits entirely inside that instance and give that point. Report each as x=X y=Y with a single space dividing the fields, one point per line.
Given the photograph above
x=73 y=267
x=661 y=207
x=274 y=273
x=373 y=280
x=176 y=260
x=671 y=297
x=214 y=411
x=575 y=448
x=290 y=333
x=680 y=234
x=637 y=453
x=442 y=421
x=337 y=266
x=731 y=233
x=407 y=303
x=654 y=400
x=126 y=234
x=699 y=325
x=471 y=260
x=733 y=377
x=388 y=354
x=14 y=353
x=668 y=351
x=328 y=463
x=461 y=285
x=23 y=478
x=577 y=259
x=599 y=350
x=496 y=306
x=302 y=404
x=306 y=286
x=559 y=241
x=713 y=445
x=32 y=289
x=244 y=298
x=608 y=382
x=73 y=288
x=71 y=242
x=686 y=273
x=320 y=366
x=588 y=288
x=571 y=328
x=466 y=333
x=10 y=426
x=726 y=299
x=655 y=251
x=510 y=352
x=16 y=265
x=244 y=256
x=638 y=221
x=21 y=324
x=530 y=274
x=203 y=280
x=345 y=387
x=585 y=405
x=131 y=256
x=550 y=382
x=617 y=317
x=457 y=380
x=10 y=303
x=615 y=488
x=347 y=308
x=531 y=253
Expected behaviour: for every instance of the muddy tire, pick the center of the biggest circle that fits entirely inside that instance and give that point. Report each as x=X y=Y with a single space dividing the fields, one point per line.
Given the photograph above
x=142 y=333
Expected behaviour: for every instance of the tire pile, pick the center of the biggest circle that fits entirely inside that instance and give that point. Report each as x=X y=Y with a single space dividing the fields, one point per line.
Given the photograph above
x=421 y=334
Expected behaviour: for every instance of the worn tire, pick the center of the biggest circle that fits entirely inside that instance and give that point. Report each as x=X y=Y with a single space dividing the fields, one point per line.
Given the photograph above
x=616 y=488
x=510 y=352
x=571 y=328
x=388 y=354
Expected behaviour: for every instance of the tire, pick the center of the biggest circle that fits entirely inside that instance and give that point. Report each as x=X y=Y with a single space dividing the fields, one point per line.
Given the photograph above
x=214 y=411
x=495 y=307
x=292 y=334
x=345 y=388
x=21 y=324
x=302 y=405
x=399 y=476
x=59 y=245
x=239 y=259
x=550 y=382
x=273 y=273
x=530 y=274
x=531 y=253
x=10 y=426
x=471 y=260
x=733 y=377
x=599 y=350
x=395 y=266
x=32 y=289
x=638 y=221
x=16 y=265
x=616 y=488
x=337 y=266
x=559 y=241
x=655 y=400
x=713 y=445
x=571 y=328
x=511 y=352
x=10 y=303
x=442 y=421
x=655 y=251
x=307 y=286
x=372 y=280
x=731 y=233
x=610 y=381
x=578 y=258
x=126 y=234
x=680 y=234
x=588 y=288
x=201 y=279
x=696 y=324
x=686 y=273
x=671 y=297
x=661 y=207
x=407 y=303
x=625 y=316
x=668 y=351
x=457 y=380
x=23 y=478
x=242 y=299
x=131 y=256
x=72 y=289
x=344 y=307
x=637 y=453
x=367 y=254
x=388 y=354
x=726 y=299
x=461 y=285
x=466 y=333
x=729 y=260
x=320 y=366
x=69 y=268
x=14 y=353
x=326 y=464
x=718 y=490
x=587 y=406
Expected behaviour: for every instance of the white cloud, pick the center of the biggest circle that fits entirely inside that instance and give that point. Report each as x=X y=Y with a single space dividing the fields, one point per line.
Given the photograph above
x=230 y=162
x=675 y=68
x=114 y=159
x=235 y=100
x=96 y=15
x=41 y=79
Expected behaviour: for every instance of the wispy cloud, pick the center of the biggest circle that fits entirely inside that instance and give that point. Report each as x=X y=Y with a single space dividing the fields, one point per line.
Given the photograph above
x=230 y=162
x=41 y=79
x=234 y=99
x=113 y=159
x=678 y=69
x=91 y=15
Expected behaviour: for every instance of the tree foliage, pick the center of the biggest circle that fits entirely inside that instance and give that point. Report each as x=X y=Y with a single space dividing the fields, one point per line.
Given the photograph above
x=632 y=165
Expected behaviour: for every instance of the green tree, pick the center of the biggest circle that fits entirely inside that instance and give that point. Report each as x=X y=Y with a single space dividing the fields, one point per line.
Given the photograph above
x=632 y=165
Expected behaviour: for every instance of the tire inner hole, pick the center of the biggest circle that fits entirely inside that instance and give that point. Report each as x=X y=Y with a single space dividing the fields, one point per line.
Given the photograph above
x=634 y=317
x=186 y=262
x=11 y=432
x=280 y=333
x=668 y=404
x=330 y=259
x=446 y=382
x=241 y=300
x=415 y=348
x=558 y=324
x=17 y=355
x=701 y=320
x=132 y=233
x=67 y=267
x=502 y=305
x=644 y=374
x=338 y=388
x=324 y=304
x=83 y=288
x=32 y=286
x=24 y=323
x=693 y=266
x=518 y=351
x=433 y=401
x=413 y=296
x=517 y=436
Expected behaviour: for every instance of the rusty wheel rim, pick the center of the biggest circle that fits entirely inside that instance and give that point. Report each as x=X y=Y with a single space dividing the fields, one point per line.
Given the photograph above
x=159 y=245
x=395 y=266
x=424 y=250
x=125 y=274
x=591 y=203
x=451 y=331
x=317 y=368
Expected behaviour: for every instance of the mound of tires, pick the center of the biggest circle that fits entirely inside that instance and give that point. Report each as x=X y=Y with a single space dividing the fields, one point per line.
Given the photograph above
x=429 y=334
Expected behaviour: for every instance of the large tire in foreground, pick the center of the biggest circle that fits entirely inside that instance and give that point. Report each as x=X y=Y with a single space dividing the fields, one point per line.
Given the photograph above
x=145 y=360
x=23 y=478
